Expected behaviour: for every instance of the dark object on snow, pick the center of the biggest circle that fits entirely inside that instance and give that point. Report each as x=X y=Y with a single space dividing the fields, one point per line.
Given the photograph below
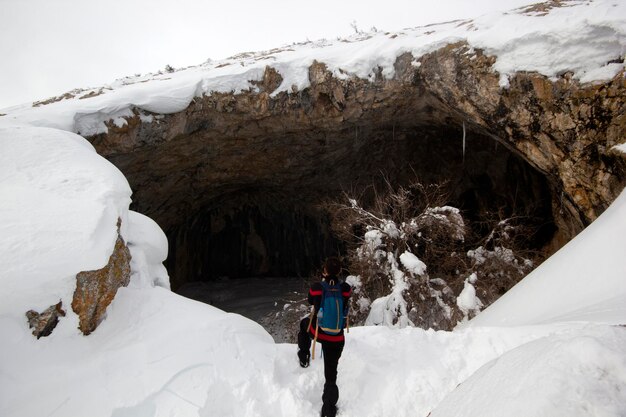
x=305 y=358
x=43 y=324
x=329 y=410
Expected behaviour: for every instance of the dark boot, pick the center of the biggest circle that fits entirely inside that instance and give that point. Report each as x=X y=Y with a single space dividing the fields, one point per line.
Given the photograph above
x=305 y=358
x=330 y=398
x=328 y=410
x=304 y=343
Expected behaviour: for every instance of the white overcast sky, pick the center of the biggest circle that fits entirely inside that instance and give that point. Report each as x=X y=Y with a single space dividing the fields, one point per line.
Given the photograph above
x=48 y=47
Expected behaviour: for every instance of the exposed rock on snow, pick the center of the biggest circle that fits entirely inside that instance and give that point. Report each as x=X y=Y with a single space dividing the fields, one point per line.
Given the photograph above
x=43 y=324
x=60 y=205
x=270 y=82
x=96 y=289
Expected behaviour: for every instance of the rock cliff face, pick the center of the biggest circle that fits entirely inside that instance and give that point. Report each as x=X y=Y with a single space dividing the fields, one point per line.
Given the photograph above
x=96 y=289
x=564 y=129
x=539 y=147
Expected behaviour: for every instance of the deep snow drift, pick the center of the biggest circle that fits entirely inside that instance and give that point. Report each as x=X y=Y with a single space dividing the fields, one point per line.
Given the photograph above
x=559 y=352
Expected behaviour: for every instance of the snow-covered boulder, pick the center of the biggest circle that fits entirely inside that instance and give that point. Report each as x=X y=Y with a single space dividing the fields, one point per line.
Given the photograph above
x=61 y=207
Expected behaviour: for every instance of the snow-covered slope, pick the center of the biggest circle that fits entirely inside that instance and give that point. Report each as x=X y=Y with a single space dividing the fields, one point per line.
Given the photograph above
x=580 y=373
x=587 y=38
x=158 y=354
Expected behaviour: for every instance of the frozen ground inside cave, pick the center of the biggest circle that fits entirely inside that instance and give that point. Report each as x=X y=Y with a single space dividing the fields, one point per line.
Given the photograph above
x=261 y=299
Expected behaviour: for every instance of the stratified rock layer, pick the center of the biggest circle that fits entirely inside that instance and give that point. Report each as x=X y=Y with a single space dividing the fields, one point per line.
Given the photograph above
x=96 y=289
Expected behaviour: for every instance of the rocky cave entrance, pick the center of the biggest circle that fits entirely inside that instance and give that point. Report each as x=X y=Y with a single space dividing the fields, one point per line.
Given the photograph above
x=234 y=179
x=270 y=225
x=240 y=199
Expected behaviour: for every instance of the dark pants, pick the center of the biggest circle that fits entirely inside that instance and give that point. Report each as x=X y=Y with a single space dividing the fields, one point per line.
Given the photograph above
x=331 y=352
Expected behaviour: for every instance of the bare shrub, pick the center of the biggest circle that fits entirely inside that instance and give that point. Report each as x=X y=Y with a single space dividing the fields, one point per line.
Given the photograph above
x=411 y=262
x=500 y=259
x=391 y=242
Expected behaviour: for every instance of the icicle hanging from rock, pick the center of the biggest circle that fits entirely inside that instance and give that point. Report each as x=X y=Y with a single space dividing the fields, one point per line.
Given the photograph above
x=463 y=143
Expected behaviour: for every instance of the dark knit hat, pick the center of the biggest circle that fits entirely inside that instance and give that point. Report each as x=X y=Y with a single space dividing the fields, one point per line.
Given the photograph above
x=332 y=266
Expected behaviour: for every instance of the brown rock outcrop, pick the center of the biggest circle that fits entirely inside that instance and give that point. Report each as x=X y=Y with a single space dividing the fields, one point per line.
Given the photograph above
x=563 y=128
x=96 y=289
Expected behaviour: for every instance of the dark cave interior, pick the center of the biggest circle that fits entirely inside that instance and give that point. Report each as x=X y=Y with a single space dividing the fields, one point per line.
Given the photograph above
x=274 y=227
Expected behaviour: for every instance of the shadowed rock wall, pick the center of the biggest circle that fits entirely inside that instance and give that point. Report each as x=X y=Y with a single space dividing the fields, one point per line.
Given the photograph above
x=250 y=234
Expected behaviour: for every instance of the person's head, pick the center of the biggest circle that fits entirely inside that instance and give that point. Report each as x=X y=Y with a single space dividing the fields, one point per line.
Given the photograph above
x=332 y=267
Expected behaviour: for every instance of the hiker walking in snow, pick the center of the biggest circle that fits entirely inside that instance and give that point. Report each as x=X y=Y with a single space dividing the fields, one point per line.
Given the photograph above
x=330 y=299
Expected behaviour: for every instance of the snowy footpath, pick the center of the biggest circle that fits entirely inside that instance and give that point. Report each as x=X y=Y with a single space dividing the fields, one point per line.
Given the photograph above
x=159 y=354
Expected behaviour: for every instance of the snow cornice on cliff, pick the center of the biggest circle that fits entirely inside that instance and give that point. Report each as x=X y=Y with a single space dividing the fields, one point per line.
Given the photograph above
x=584 y=39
